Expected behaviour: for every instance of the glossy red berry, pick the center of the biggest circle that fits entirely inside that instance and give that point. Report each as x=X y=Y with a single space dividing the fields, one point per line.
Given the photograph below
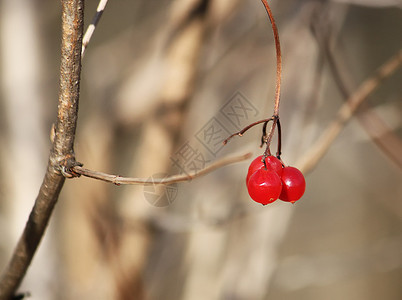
x=264 y=186
x=293 y=184
x=273 y=164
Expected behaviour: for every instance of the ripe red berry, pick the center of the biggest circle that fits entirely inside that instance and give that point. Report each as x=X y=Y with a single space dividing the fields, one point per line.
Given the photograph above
x=293 y=184
x=273 y=164
x=264 y=186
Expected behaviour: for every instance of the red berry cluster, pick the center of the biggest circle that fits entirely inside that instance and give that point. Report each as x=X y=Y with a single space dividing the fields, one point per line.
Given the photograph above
x=266 y=183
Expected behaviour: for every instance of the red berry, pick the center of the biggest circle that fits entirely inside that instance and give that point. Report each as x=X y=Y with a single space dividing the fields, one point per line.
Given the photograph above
x=273 y=164
x=293 y=184
x=264 y=186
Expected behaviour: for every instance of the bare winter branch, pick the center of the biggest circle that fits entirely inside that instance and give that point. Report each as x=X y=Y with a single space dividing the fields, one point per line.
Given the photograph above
x=61 y=154
x=118 y=180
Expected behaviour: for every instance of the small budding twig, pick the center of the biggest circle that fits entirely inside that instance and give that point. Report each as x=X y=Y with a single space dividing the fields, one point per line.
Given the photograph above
x=241 y=132
x=91 y=28
x=267 y=138
x=118 y=180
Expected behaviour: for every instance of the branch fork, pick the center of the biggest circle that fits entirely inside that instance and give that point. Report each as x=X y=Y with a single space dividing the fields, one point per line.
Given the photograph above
x=66 y=167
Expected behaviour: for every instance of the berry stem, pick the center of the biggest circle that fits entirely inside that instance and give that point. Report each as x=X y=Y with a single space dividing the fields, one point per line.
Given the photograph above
x=264 y=134
x=278 y=59
x=279 y=149
x=267 y=138
x=241 y=132
x=275 y=116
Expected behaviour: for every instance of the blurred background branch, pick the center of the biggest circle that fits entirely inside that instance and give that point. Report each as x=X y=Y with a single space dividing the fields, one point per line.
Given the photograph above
x=91 y=28
x=317 y=151
x=380 y=133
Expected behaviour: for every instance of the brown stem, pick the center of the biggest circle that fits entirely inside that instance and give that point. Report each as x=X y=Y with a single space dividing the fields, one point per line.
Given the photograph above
x=241 y=132
x=278 y=78
x=61 y=154
x=278 y=58
x=275 y=117
x=118 y=180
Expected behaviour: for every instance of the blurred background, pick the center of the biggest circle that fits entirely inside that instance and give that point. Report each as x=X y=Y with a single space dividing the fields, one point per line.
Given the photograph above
x=163 y=83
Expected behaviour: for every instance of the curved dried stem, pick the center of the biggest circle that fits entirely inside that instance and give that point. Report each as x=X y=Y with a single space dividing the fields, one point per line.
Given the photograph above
x=241 y=132
x=278 y=58
x=267 y=138
x=118 y=180
x=267 y=151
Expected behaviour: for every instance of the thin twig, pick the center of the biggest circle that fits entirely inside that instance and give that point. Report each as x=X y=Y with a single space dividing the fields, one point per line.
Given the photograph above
x=118 y=180
x=267 y=138
x=61 y=155
x=317 y=151
x=241 y=132
x=278 y=58
x=278 y=78
x=91 y=28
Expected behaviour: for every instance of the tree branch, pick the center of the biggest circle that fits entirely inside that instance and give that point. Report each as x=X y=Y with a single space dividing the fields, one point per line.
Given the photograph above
x=118 y=180
x=61 y=154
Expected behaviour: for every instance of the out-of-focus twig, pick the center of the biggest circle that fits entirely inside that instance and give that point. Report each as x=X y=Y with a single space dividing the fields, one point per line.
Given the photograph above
x=118 y=180
x=372 y=3
x=91 y=28
x=317 y=151
x=61 y=155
